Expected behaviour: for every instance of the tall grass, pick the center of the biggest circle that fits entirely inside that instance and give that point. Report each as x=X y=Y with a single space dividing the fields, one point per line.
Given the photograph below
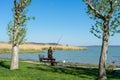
x=6 y=47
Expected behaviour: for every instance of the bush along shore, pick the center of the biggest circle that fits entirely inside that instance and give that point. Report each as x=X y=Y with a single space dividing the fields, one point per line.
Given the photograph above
x=34 y=48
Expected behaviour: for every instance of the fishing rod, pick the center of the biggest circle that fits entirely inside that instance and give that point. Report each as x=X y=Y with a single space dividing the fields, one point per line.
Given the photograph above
x=58 y=41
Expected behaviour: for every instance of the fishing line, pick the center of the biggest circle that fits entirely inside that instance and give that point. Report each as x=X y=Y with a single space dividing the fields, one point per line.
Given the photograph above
x=58 y=41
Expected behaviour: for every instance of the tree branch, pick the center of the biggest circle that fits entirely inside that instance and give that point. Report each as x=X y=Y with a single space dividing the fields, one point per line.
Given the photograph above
x=112 y=5
x=98 y=14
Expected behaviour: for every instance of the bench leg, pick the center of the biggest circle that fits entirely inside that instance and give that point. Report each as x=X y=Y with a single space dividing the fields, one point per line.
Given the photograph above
x=53 y=63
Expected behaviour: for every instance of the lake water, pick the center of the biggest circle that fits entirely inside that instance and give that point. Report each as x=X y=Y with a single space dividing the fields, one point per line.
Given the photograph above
x=90 y=56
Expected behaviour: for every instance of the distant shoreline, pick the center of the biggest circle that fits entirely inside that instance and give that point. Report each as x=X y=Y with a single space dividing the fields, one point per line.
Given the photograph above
x=101 y=45
x=6 y=47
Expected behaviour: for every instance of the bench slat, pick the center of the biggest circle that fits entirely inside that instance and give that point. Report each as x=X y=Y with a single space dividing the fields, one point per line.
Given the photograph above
x=48 y=59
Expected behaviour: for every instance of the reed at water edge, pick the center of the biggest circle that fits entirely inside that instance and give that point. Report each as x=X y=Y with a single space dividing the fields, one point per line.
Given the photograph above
x=30 y=47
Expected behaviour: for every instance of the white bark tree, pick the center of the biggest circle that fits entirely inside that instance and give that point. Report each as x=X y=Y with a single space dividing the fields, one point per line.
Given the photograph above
x=17 y=30
x=106 y=13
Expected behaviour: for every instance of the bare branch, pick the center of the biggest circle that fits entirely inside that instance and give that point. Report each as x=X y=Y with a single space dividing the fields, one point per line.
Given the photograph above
x=98 y=14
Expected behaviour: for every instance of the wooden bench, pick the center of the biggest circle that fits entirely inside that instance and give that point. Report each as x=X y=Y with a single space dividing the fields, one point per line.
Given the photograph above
x=49 y=60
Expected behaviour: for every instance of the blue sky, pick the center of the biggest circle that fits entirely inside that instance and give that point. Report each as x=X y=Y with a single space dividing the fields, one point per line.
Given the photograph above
x=55 y=18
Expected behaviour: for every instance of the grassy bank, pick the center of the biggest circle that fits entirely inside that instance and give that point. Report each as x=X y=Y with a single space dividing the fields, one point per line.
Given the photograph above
x=33 y=48
x=30 y=71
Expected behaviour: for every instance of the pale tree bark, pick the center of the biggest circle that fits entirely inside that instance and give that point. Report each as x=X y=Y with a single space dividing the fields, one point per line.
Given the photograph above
x=15 y=59
x=103 y=57
x=15 y=49
x=104 y=51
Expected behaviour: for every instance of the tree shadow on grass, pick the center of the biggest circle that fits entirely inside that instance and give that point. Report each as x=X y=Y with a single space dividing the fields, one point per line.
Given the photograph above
x=79 y=72
x=112 y=75
x=3 y=64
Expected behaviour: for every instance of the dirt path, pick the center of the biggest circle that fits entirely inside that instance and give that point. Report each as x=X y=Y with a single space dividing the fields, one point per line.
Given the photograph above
x=60 y=64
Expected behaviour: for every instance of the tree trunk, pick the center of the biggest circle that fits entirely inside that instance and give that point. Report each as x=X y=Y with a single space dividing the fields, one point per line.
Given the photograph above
x=14 y=62
x=103 y=56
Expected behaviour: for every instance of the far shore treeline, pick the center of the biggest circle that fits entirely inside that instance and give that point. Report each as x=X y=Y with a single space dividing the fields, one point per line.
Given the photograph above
x=32 y=47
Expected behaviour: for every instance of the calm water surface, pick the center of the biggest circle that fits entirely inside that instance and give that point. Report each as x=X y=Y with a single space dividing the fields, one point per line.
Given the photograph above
x=85 y=56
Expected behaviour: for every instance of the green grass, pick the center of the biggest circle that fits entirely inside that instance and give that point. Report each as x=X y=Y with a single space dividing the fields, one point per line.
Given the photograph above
x=29 y=71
